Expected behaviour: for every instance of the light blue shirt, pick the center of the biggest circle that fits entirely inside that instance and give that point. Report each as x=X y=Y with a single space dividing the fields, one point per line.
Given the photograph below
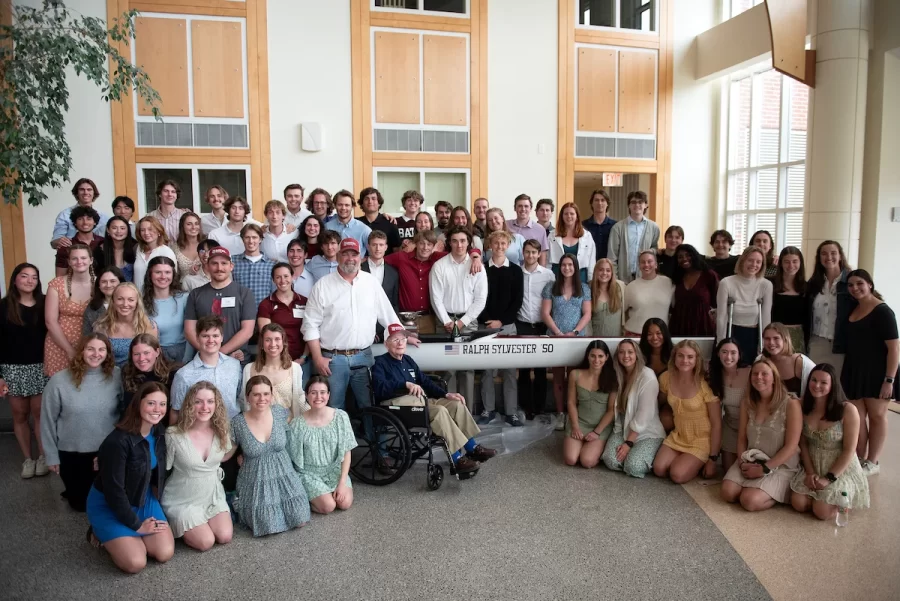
x=319 y=267
x=513 y=253
x=169 y=319
x=355 y=229
x=65 y=227
x=635 y=230
x=226 y=376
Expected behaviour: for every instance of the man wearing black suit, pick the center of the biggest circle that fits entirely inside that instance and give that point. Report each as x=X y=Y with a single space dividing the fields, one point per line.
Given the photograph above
x=386 y=274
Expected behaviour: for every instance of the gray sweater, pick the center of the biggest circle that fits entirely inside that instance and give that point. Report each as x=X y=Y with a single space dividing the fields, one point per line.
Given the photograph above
x=78 y=419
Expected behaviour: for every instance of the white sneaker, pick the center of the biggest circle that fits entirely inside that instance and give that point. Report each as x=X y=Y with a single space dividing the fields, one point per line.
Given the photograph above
x=28 y=468
x=560 y=422
x=40 y=467
x=869 y=468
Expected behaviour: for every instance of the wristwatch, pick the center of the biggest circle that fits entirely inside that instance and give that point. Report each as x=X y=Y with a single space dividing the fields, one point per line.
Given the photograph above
x=831 y=477
x=630 y=444
x=889 y=379
x=714 y=457
x=766 y=469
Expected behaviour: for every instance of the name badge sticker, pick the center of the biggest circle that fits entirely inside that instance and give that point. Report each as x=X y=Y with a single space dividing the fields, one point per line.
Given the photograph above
x=228 y=302
x=299 y=312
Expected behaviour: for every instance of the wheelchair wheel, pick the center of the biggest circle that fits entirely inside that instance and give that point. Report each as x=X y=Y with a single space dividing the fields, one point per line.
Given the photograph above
x=435 y=476
x=383 y=453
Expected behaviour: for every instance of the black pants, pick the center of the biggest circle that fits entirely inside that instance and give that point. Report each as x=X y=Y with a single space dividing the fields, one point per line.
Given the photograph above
x=77 y=473
x=230 y=473
x=532 y=397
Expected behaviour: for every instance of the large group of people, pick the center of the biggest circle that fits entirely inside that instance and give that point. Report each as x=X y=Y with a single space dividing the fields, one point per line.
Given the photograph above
x=206 y=364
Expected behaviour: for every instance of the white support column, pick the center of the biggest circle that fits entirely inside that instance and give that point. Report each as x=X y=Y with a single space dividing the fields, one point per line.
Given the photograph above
x=840 y=35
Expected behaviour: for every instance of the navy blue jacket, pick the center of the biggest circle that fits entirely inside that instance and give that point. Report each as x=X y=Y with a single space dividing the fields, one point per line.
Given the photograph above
x=389 y=378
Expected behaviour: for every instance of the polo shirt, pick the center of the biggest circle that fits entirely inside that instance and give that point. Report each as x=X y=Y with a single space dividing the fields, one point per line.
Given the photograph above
x=289 y=317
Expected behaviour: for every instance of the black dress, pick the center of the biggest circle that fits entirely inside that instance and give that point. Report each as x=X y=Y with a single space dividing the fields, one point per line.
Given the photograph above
x=865 y=363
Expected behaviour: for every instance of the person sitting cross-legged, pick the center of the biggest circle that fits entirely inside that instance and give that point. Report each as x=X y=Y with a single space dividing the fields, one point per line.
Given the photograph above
x=398 y=380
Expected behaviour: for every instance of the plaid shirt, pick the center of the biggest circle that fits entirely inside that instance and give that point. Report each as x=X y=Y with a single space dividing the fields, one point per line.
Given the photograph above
x=255 y=276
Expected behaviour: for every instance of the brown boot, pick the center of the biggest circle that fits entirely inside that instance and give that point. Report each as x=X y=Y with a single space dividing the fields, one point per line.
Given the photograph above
x=466 y=464
x=482 y=454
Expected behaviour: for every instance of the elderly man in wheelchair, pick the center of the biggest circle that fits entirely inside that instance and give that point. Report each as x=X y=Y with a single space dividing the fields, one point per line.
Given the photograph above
x=397 y=380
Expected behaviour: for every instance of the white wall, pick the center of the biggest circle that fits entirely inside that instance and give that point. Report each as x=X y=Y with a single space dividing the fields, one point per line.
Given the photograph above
x=89 y=133
x=310 y=81
x=879 y=240
x=695 y=132
x=522 y=100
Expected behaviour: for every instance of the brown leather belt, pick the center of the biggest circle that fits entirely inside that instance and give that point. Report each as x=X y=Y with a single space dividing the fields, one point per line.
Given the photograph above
x=346 y=353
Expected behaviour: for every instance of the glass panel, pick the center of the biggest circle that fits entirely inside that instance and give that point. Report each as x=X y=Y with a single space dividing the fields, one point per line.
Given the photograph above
x=153 y=177
x=407 y=4
x=740 y=124
x=737 y=225
x=766 y=189
x=392 y=185
x=738 y=191
x=445 y=186
x=637 y=14
x=599 y=13
x=793 y=229
x=766 y=221
x=446 y=6
x=233 y=180
x=799 y=111
x=796 y=182
x=768 y=90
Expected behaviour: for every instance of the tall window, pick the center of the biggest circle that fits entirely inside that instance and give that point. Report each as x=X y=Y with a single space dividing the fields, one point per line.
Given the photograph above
x=767 y=122
x=451 y=185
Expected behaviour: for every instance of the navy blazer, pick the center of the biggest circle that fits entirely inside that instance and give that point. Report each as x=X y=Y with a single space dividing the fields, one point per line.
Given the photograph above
x=391 y=287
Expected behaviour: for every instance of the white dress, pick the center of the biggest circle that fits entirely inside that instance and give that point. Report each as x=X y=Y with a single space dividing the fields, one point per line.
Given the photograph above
x=194 y=493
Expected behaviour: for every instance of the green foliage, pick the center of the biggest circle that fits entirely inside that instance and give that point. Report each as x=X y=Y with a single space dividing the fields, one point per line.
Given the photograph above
x=36 y=52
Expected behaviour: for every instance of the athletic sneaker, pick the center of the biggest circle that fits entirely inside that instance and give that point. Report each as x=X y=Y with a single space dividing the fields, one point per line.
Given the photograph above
x=40 y=467
x=486 y=417
x=28 y=468
x=560 y=422
x=514 y=421
x=869 y=468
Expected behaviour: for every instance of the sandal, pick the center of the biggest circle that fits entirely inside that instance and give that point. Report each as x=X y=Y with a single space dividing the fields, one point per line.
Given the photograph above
x=91 y=539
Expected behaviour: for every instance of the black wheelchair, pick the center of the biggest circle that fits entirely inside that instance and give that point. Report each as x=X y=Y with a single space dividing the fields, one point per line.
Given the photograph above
x=391 y=438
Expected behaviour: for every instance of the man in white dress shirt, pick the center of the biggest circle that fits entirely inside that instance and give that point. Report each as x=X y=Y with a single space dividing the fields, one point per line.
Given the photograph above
x=229 y=235
x=339 y=326
x=296 y=212
x=276 y=236
x=458 y=296
x=529 y=323
x=215 y=198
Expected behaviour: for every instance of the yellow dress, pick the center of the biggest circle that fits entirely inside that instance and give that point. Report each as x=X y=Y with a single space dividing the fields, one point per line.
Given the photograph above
x=692 y=428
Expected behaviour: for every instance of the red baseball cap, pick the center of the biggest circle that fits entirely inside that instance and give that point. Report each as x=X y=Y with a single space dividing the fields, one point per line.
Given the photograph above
x=218 y=251
x=349 y=244
x=396 y=328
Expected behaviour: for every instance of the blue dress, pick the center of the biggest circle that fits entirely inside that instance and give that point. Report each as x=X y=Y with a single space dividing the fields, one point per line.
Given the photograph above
x=103 y=520
x=566 y=313
x=120 y=347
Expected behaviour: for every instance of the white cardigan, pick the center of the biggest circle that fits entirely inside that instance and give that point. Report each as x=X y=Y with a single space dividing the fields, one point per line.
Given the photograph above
x=298 y=401
x=587 y=251
x=642 y=413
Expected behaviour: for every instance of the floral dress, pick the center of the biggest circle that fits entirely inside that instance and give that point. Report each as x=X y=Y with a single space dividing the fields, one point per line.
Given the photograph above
x=566 y=313
x=825 y=446
x=317 y=452
x=71 y=318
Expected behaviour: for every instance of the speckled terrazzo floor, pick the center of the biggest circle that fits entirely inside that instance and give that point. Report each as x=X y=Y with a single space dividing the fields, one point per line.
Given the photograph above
x=525 y=528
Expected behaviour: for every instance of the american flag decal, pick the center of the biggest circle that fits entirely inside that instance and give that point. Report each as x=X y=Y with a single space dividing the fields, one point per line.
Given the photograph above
x=451 y=349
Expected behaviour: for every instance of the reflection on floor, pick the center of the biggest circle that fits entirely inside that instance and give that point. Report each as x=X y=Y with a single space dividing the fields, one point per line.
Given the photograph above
x=526 y=527
x=799 y=557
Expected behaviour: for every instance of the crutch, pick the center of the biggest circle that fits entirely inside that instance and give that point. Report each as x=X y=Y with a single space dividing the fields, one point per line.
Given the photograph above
x=730 y=316
x=760 y=324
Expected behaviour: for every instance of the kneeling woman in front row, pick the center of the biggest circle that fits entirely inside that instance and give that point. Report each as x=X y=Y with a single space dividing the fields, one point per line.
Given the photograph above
x=319 y=444
x=122 y=507
x=638 y=432
x=768 y=435
x=195 y=447
x=592 y=406
x=828 y=449
x=269 y=496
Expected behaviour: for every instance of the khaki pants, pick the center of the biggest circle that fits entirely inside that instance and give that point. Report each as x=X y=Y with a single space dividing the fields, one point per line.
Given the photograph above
x=450 y=419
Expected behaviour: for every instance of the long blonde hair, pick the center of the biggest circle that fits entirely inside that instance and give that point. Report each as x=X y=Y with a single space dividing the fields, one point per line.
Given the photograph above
x=626 y=381
x=613 y=288
x=779 y=392
x=140 y=323
x=699 y=368
x=219 y=421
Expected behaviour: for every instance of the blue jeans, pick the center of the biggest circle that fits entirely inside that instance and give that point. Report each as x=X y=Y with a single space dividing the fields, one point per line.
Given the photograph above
x=350 y=372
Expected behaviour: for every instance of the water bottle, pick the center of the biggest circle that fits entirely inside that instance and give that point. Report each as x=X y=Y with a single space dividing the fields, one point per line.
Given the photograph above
x=843 y=513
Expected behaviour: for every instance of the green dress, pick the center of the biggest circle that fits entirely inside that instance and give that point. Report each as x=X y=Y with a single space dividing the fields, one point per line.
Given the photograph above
x=825 y=446
x=317 y=452
x=605 y=324
x=591 y=409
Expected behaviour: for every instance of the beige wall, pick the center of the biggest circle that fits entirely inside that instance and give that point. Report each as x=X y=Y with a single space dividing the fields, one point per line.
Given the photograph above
x=878 y=244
